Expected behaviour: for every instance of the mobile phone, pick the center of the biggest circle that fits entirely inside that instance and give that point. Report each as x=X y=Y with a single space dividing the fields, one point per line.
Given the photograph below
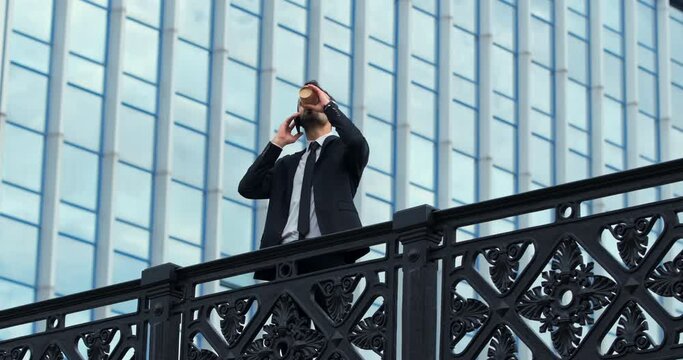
x=297 y=123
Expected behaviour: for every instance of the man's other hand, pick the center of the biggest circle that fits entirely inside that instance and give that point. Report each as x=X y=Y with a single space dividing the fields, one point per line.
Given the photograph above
x=323 y=99
x=284 y=133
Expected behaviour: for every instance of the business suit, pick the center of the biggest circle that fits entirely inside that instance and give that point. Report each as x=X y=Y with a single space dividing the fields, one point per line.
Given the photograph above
x=336 y=176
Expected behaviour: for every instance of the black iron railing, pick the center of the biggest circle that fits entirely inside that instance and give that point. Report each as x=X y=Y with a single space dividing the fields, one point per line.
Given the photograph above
x=587 y=287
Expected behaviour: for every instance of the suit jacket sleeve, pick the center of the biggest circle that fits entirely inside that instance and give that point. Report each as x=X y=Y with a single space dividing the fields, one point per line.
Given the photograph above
x=255 y=184
x=357 y=150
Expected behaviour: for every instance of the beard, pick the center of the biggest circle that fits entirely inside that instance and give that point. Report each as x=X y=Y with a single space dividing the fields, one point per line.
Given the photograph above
x=311 y=119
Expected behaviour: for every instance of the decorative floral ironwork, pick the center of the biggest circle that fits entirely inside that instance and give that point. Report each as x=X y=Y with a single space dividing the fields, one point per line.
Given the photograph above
x=233 y=319
x=505 y=264
x=567 y=298
x=631 y=332
x=289 y=336
x=466 y=316
x=195 y=353
x=17 y=353
x=335 y=296
x=667 y=279
x=98 y=344
x=632 y=239
x=369 y=333
x=502 y=345
x=52 y=353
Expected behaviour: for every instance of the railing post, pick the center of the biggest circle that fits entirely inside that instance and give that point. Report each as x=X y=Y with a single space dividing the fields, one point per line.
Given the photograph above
x=417 y=235
x=164 y=324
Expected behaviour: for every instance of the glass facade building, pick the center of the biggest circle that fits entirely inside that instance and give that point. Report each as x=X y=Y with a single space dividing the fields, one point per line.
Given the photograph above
x=126 y=125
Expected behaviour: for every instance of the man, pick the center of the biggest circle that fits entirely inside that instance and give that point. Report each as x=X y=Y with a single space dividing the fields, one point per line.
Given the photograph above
x=311 y=192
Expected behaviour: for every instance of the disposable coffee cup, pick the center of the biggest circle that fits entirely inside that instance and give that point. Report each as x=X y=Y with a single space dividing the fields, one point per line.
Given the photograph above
x=307 y=96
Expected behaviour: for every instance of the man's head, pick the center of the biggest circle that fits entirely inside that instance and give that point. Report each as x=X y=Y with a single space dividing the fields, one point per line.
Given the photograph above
x=310 y=119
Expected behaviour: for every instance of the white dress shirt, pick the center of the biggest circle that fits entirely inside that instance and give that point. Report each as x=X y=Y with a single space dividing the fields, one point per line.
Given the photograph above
x=290 y=232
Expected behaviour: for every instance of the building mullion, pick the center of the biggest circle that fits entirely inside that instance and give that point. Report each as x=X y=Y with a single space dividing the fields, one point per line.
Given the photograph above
x=164 y=134
x=485 y=165
x=104 y=249
x=315 y=39
x=524 y=100
x=5 y=27
x=664 y=84
x=54 y=143
x=445 y=154
x=631 y=89
x=402 y=107
x=267 y=80
x=213 y=224
x=560 y=89
x=358 y=104
x=597 y=93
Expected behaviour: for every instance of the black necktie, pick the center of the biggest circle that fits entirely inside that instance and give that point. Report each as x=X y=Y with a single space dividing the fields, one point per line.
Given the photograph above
x=305 y=200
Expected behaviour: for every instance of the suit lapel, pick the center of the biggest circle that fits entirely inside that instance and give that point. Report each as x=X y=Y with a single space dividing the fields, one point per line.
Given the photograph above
x=294 y=162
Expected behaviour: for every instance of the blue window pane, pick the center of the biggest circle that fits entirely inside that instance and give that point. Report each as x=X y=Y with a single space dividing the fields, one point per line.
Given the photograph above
x=140 y=50
x=22 y=161
x=241 y=90
x=384 y=9
x=613 y=121
x=380 y=54
x=235 y=164
x=13 y=295
x=251 y=5
x=285 y=97
x=423 y=42
x=578 y=5
x=132 y=194
x=541 y=88
x=464 y=90
x=614 y=79
x=614 y=42
x=380 y=93
x=243 y=36
x=290 y=15
x=464 y=45
x=190 y=113
x=677 y=106
x=578 y=61
x=504 y=108
x=85 y=73
x=463 y=178
x=74 y=266
x=26 y=98
x=676 y=27
x=465 y=13
x=503 y=183
x=614 y=156
x=79 y=173
x=19 y=203
x=139 y=94
x=577 y=24
x=422 y=158
x=646 y=25
x=647 y=58
x=377 y=184
x=188 y=156
x=185 y=213
x=136 y=137
x=33 y=17
x=579 y=140
x=87 y=30
x=421 y=111
x=542 y=8
x=76 y=222
x=183 y=254
x=375 y=211
x=503 y=24
x=126 y=268
x=647 y=137
x=418 y=196
x=426 y=5
x=240 y=132
x=647 y=92
x=503 y=144
x=147 y=11
x=29 y=52
x=676 y=143
x=238 y=223
x=194 y=22
x=463 y=128
x=577 y=113
x=290 y=55
x=541 y=124
x=379 y=136
x=131 y=239
x=577 y=167
x=612 y=12
x=335 y=74
x=422 y=72
x=336 y=36
x=82 y=114
x=192 y=71
x=504 y=72
x=18 y=258
x=340 y=10
x=541 y=41
x=542 y=164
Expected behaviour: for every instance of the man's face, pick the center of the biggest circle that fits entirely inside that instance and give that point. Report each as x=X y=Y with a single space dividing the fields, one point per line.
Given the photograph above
x=311 y=119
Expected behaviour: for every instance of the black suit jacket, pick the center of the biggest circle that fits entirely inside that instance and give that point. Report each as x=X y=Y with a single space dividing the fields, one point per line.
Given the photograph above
x=336 y=176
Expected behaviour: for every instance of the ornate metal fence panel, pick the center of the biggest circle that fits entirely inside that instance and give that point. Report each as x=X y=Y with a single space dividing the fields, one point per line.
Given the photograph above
x=604 y=286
